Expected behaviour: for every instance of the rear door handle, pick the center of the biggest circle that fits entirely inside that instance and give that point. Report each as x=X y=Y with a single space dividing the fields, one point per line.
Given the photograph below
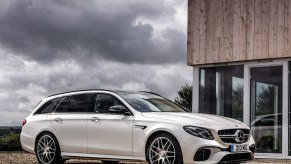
x=94 y=119
x=58 y=120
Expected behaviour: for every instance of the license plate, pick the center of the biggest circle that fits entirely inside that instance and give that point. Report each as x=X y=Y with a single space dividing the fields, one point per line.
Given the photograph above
x=239 y=148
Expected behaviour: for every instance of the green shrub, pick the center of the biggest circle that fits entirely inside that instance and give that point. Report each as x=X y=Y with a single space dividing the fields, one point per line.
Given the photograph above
x=10 y=143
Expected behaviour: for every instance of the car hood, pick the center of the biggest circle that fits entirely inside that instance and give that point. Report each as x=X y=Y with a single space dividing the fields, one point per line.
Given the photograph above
x=197 y=119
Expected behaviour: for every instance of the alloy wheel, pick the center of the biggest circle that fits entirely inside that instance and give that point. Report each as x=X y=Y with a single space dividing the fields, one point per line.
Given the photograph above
x=46 y=149
x=162 y=151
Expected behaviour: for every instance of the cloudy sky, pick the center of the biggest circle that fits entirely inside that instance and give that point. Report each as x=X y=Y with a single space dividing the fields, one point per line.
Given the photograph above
x=51 y=46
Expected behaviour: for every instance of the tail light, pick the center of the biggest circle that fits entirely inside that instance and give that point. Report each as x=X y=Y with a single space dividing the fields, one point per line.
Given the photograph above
x=23 y=122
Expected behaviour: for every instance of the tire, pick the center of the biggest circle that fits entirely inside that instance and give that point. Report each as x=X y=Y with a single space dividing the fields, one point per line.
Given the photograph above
x=110 y=162
x=164 y=149
x=47 y=149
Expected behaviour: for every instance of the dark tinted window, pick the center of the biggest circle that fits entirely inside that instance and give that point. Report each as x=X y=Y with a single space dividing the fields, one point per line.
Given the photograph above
x=151 y=103
x=221 y=91
x=62 y=106
x=79 y=103
x=104 y=101
x=49 y=106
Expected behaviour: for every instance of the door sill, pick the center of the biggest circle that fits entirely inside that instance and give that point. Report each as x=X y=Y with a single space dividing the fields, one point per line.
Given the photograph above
x=67 y=155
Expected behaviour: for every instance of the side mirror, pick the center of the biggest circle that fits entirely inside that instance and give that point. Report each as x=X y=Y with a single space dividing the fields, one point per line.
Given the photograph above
x=119 y=109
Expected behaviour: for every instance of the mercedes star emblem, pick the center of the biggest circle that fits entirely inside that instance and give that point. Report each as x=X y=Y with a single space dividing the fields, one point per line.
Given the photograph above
x=239 y=136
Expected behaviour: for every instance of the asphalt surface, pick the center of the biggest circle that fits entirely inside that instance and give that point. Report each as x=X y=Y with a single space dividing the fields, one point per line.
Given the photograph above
x=25 y=158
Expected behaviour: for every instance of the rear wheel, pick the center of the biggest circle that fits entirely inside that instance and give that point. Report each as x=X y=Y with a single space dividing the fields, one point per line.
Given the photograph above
x=47 y=150
x=164 y=149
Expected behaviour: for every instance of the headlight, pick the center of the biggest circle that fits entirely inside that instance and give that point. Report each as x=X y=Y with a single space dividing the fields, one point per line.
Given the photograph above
x=199 y=132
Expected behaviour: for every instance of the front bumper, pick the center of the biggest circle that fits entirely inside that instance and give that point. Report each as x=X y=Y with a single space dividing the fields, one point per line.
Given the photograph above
x=219 y=151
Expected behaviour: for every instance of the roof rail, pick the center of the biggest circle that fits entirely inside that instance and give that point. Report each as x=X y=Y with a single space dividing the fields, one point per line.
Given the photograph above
x=151 y=93
x=81 y=91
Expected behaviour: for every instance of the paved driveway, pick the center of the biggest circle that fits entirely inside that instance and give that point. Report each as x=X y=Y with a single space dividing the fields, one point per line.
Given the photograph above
x=21 y=157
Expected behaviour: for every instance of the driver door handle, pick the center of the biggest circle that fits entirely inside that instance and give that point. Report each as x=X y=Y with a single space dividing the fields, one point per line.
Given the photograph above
x=58 y=119
x=94 y=119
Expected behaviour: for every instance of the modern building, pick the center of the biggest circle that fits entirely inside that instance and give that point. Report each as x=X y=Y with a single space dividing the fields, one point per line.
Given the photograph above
x=240 y=51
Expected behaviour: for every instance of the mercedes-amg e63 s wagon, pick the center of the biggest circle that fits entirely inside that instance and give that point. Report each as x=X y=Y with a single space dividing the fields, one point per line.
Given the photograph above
x=120 y=125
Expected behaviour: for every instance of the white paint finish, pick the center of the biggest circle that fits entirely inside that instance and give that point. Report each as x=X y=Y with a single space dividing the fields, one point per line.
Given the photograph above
x=195 y=91
x=111 y=136
x=246 y=104
x=71 y=139
x=285 y=110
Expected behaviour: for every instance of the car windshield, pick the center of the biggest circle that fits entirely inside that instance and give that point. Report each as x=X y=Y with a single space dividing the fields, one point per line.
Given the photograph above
x=151 y=103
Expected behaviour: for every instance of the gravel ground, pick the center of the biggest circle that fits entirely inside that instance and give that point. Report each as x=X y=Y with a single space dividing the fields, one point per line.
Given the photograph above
x=26 y=158
x=22 y=157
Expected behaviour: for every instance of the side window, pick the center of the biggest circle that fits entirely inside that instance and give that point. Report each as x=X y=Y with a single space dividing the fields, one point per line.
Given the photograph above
x=49 y=106
x=79 y=103
x=104 y=101
x=62 y=106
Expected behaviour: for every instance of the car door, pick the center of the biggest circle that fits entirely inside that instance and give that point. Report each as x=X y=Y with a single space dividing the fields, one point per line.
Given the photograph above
x=70 y=121
x=109 y=133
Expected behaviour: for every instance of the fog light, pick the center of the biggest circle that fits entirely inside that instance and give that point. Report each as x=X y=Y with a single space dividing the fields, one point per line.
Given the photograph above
x=252 y=148
x=202 y=154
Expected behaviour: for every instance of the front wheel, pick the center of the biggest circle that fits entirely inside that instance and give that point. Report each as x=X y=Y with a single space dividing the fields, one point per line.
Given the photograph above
x=164 y=149
x=47 y=150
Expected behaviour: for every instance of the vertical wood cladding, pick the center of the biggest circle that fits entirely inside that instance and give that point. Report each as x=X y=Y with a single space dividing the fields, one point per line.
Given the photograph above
x=238 y=30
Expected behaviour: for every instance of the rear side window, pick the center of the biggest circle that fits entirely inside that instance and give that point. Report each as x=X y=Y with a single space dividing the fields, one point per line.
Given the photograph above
x=79 y=103
x=62 y=106
x=49 y=106
x=75 y=103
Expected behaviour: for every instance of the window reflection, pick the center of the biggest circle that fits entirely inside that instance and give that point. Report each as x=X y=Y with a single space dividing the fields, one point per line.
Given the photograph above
x=221 y=91
x=266 y=108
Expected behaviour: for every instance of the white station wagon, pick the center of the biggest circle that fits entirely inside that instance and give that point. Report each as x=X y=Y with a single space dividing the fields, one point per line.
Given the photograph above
x=119 y=125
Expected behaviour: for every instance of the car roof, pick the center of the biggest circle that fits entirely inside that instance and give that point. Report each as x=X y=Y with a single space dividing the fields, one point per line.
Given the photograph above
x=119 y=92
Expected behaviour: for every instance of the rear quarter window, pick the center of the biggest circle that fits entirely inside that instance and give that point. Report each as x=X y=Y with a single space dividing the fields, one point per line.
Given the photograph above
x=49 y=106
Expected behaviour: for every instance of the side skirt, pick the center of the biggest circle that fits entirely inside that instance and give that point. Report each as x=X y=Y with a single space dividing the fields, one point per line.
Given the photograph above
x=66 y=155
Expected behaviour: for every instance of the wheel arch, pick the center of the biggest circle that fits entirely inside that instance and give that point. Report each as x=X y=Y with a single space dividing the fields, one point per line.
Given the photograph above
x=153 y=134
x=41 y=133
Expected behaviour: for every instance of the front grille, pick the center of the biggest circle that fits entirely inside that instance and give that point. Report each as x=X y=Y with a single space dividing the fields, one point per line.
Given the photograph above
x=231 y=135
x=239 y=157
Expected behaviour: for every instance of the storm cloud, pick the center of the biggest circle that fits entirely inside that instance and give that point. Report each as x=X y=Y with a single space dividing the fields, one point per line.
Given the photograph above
x=52 y=30
x=53 y=46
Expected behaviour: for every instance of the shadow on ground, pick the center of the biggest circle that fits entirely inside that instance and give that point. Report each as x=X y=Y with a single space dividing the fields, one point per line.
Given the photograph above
x=22 y=157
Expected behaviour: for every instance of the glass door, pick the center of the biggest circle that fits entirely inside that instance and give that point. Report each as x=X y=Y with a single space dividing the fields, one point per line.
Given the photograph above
x=266 y=108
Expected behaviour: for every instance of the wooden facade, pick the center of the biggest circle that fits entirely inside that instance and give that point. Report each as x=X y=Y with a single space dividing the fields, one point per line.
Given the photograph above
x=222 y=31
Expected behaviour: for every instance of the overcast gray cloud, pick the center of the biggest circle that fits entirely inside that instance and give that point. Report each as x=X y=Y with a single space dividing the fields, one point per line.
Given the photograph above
x=51 y=30
x=52 y=46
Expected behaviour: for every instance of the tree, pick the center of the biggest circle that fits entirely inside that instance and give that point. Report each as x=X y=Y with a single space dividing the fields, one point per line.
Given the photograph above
x=237 y=102
x=184 y=98
x=265 y=103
